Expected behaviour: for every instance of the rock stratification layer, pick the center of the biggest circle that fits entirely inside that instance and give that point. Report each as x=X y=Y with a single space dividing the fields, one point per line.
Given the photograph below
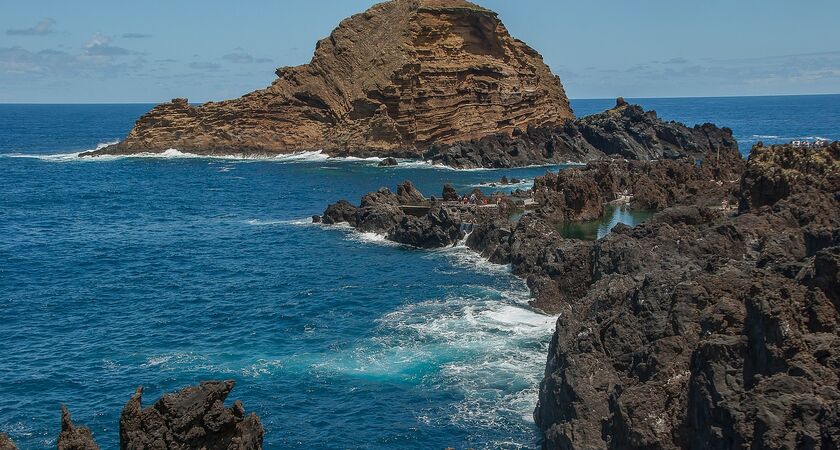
x=394 y=79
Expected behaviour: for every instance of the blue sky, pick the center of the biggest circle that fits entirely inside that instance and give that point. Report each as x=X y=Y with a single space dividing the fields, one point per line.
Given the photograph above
x=150 y=51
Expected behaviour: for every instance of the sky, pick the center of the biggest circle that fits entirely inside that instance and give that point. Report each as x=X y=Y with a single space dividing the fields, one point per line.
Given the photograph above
x=95 y=51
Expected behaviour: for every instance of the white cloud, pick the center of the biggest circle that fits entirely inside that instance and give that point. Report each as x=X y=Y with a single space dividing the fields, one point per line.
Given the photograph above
x=42 y=28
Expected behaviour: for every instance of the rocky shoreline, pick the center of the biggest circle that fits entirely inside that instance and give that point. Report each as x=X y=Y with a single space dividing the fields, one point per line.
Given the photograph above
x=192 y=418
x=712 y=325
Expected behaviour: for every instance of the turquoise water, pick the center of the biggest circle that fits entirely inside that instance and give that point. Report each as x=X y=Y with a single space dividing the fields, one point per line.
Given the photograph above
x=596 y=229
x=166 y=271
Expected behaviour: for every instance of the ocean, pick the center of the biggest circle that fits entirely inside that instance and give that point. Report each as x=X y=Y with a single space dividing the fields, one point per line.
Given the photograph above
x=165 y=271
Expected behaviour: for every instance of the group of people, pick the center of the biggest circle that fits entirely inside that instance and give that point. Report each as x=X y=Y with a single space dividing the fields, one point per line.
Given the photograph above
x=473 y=200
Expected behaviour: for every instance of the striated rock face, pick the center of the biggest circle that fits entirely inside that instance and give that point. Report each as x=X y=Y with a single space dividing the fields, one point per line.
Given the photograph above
x=392 y=80
x=73 y=437
x=194 y=418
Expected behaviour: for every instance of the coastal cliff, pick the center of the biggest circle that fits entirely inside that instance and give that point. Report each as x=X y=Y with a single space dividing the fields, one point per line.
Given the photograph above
x=390 y=81
x=712 y=325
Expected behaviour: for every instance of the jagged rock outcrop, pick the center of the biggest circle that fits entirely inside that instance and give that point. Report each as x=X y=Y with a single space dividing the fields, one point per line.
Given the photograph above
x=6 y=442
x=701 y=329
x=625 y=132
x=425 y=224
x=706 y=326
x=193 y=418
x=389 y=81
x=73 y=437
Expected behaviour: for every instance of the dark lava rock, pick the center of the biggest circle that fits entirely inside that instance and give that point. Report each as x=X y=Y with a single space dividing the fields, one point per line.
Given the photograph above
x=504 y=180
x=438 y=228
x=388 y=162
x=342 y=211
x=408 y=194
x=6 y=442
x=193 y=418
x=73 y=437
x=626 y=131
x=316 y=218
x=449 y=193
x=699 y=328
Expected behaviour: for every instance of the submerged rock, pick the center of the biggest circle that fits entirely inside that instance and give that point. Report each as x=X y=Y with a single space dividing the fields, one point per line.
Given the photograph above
x=390 y=81
x=388 y=162
x=193 y=418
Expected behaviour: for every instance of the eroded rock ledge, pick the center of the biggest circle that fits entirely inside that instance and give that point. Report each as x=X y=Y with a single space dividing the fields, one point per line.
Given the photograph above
x=389 y=81
x=193 y=418
x=715 y=324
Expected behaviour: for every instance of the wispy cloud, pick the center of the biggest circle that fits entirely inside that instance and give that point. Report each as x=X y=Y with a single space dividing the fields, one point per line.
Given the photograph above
x=100 y=45
x=135 y=36
x=241 y=57
x=751 y=75
x=42 y=28
x=209 y=66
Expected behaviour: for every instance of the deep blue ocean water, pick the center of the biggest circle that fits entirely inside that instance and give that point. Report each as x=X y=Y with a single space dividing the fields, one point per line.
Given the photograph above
x=164 y=271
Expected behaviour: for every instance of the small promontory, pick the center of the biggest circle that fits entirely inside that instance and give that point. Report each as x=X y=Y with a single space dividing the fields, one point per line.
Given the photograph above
x=387 y=82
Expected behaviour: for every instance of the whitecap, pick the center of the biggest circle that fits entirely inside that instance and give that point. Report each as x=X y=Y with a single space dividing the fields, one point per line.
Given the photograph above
x=269 y=222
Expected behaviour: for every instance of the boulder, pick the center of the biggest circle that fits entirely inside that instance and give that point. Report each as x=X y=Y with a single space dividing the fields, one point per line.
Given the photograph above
x=388 y=162
x=193 y=418
x=341 y=211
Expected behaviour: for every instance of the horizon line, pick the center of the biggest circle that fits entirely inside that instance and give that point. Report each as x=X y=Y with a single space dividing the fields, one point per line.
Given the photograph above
x=570 y=99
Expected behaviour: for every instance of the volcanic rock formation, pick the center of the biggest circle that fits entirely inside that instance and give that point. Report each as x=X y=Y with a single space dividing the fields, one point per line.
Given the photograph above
x=701 y=329
x=708 y=326
x=623 y=132
x=390 y=81
x=193 y=418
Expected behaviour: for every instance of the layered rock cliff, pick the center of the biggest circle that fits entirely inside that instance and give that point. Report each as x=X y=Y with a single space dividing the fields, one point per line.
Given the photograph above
x=392 y=80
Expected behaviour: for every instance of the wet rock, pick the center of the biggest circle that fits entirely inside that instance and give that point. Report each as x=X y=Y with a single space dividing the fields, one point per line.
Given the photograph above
x=193 y=418
x=6 y=442
x=438 y=228
x=316 y=218
x=388 y=162
x=341 y=211
x=73 y=437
